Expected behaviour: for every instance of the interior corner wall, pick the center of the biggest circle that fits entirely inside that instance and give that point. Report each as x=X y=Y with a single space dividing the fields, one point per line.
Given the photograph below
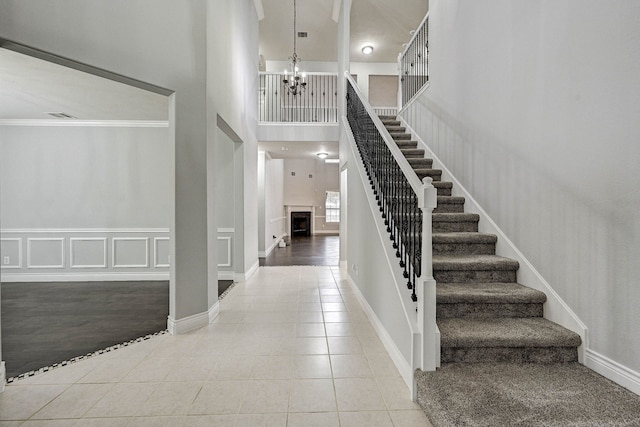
x=232 y=86
x=536 y=113
x=365 y=69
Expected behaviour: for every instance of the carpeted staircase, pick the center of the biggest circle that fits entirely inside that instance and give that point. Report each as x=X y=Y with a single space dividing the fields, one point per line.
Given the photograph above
x=483 y=314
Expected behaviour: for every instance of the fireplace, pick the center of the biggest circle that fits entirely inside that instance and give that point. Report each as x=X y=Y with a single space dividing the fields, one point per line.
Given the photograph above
x=300 y=224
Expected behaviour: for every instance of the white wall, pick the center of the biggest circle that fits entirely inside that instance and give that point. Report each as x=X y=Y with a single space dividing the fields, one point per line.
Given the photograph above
x=302 y=190
x=271 y=202
x=534 y=107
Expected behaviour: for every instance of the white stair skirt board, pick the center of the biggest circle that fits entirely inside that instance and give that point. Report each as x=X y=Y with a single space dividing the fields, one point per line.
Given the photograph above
x=191 y=323
x=83 y=277
x=555 y=309
x=614 y=371
x=3 y=376
x=394 y=352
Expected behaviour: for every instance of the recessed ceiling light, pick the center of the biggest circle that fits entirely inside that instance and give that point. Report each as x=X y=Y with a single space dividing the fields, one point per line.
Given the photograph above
x=367 y=50
x=322 y=155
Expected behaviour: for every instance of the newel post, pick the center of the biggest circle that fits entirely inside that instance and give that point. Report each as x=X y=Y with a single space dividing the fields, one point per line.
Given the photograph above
x=430 y=343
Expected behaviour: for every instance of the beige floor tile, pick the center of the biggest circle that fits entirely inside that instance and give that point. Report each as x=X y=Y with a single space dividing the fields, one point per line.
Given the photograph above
x=45 y=423
x=74 y=401
x=409 y=419
x=336 y=317
x=171 y=399
x=340 y=330
x=155 y=422
x=232 y=367
x=382 y=365
x=21 y=402
x=122 y=400
x=344 y=345
x=11 y=423
x=358 y=394
x=371 y=345
x=67 y=374
x=313 y=345
x=208 y=420
x=333 y=306
x=261 y=420
x=272 y=367
x=109 y=371
x=312 y=366
x=350 y=366
x=317 y=419
x=309 y=306
x=150 y=370
x=264 y=397
x=192 y=369
x=309 y=317
x=367 y=418
x=310 y=330
x=395 y=393
x=219 y=397
x=312 y=396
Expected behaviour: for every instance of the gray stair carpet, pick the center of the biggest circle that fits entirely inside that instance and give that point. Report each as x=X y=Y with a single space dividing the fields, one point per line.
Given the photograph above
x=487 y=320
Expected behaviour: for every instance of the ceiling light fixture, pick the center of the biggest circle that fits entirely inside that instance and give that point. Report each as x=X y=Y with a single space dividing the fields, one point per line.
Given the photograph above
x=322 y=155
x=295 y=83
x=332 y=160
x=367 y=50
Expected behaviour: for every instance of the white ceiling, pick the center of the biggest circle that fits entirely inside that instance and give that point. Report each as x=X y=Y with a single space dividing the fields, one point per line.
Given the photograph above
x=385 y=24
x=31 y=87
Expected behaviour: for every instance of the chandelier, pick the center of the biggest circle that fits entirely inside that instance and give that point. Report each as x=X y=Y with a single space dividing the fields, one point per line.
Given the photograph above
x=294 y=83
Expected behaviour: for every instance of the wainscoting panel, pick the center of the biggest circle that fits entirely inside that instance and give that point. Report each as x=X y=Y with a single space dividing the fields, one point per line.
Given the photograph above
x=88 y=252
x=224 y=251
x=130 y=252
x=11 y=251
x=84 y=254
x=45 y=252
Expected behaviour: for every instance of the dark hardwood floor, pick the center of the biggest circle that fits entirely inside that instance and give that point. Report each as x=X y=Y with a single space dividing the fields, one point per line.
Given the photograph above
x=322 y=249
x=47 y=323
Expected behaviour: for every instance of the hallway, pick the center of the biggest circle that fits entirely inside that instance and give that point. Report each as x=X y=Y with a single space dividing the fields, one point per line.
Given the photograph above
x=290 y=347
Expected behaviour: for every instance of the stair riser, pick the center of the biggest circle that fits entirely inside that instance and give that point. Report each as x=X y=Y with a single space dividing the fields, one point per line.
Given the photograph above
x=435 y=175
x=449 y=208
x=406 y=143
x=509 y=354
x=460 y=276
x=453 y=227
x=421 y=163
x=413 y=155
x=464 y=249
x=400 y=136
x=483 y=311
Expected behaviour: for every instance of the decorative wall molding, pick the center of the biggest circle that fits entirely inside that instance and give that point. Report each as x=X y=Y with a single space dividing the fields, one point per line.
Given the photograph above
x=86 y=123
x=85 y=254
x=156 y=251
x=3 y=376
x=613 y=370
x=72 y=252
x=228 y=262
x=226 y=230
x=35 y=241
x=114 y=252
x=18 y=264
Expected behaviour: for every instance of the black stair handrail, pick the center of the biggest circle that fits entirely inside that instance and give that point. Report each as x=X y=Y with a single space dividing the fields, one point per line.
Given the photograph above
x=396 y=196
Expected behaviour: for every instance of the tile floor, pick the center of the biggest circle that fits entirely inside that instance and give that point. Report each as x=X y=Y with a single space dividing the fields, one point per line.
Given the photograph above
x=291 y=347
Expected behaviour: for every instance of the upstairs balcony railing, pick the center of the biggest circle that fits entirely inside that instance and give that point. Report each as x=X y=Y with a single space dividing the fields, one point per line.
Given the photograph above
x=414 y=63
x=318 y=103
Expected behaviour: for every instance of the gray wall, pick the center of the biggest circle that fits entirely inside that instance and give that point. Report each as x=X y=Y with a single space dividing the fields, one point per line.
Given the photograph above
x=537 y=115
x=199 y=49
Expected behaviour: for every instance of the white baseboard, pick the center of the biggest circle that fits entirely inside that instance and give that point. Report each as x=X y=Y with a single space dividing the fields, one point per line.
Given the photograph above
x=614 y=371
x=226 y=275
x=264 y=254
x=394 y=352
x=241 y=277
x=336 y=232
x=214 y=311
x=188 y=324
x=3 y=376
x=83 y=277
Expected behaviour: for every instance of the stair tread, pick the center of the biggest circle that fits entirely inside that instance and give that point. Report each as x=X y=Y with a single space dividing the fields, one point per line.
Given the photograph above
x=453 y=200
x=473 y=262
x=487 y=293
x=464 y=237
x=505 y=332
